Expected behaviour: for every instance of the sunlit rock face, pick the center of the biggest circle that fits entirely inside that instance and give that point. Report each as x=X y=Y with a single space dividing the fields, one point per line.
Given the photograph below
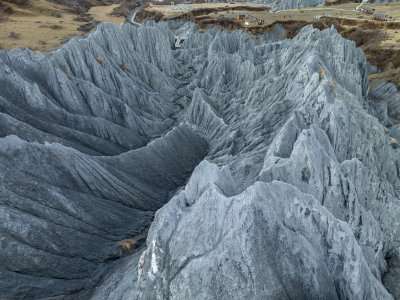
x=266 y=160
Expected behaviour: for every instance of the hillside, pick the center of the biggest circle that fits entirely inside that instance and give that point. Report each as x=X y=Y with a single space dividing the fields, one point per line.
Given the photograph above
x=43 y=25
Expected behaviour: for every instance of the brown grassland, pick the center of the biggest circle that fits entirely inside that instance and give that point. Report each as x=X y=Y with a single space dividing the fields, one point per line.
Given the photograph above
x=42 y=25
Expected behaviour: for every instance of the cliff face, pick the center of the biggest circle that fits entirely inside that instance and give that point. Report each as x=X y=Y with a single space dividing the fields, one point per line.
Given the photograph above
x=294 y=182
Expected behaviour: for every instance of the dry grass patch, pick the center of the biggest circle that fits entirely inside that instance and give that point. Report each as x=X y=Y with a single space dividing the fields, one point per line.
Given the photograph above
x=127 y=246
x=19 y=2
x=55 y=27
x=125 y=67
x=44 y=25
x=56 y=14
x=321 y=74
x=393 y=141
x=14 y=35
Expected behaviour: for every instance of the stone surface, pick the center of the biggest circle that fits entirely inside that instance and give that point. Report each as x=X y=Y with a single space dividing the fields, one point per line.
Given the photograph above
x=270 y=163
x=302 y=202
x=295 y=4
x=284 y=4
x=90 y=148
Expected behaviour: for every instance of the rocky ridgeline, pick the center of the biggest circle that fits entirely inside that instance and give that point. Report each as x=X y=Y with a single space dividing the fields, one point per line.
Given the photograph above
x=283 y=4
x=295 y=4
x=269 y=162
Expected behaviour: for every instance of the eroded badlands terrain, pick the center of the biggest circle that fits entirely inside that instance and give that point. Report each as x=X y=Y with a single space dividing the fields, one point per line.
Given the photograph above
x=270 y=166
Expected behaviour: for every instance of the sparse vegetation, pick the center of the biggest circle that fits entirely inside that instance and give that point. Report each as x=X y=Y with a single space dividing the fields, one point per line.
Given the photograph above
x=45 y=25
x=87 y=27
x=8 y=10
x=127 y=246
x=56 y=14
x=5 y=10
x=19 y=2
x=14 y=35
x=393 y=141
x=321 y=74
x=55 y=27
x=365 y=38
x=84 y=18
x=125 y=67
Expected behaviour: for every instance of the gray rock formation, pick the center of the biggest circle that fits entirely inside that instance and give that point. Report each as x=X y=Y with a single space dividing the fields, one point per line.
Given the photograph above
x=284 y=4
x=295 y=189
x=295 y=4
x=90 y=148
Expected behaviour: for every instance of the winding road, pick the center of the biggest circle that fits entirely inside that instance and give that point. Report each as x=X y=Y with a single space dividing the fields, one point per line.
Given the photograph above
x=132 y=15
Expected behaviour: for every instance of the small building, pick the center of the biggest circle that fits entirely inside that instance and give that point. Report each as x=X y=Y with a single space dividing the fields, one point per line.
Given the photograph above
x=242 y=16
x=380 y=16
x=368 y=10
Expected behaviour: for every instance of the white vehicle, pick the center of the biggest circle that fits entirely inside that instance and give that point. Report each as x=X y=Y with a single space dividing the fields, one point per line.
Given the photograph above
x=358 y=8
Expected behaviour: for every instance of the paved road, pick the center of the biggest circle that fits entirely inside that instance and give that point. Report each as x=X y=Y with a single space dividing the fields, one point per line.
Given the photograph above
x=132 y=15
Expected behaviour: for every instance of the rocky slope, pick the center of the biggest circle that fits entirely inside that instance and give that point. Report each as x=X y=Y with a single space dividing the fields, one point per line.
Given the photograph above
x=267 y=160
x=284 y=4
x=294 y=4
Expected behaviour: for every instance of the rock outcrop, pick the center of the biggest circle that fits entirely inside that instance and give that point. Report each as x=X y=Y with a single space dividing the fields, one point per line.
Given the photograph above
x=284 y=4
x=266 y=159
x=295 y=4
